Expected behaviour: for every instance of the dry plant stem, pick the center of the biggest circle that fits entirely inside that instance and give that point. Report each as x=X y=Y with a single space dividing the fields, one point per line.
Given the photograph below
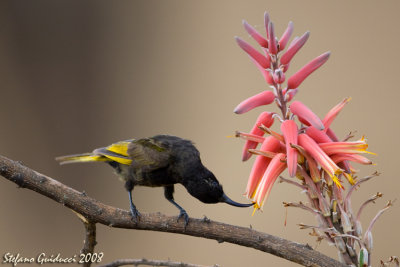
x=137 y=262
x=97 y=212
x=90 y=240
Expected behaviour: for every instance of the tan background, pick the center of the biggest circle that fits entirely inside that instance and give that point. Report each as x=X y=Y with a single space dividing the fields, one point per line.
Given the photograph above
x=78 y=75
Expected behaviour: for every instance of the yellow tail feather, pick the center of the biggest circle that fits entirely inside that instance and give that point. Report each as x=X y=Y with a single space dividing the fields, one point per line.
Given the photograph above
x=81 y=158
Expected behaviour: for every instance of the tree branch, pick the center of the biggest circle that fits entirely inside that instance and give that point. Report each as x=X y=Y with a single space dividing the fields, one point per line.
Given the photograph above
x=97 y=212
x=137 y=262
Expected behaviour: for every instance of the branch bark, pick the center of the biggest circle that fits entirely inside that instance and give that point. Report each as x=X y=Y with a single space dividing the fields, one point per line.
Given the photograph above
x=97 y=212
x=137 y=262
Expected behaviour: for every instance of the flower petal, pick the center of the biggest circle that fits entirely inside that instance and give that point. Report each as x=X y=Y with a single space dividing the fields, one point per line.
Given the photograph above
x=264 y=118
x=255 y=34
x=294 y=48
x=253 y=53
x=263 y=98
x=266 y=23
x=264 y=72
x=331 y=115
x=274 y=169
x=355 y=147
x=302 y=111
x=270 y=144
x=290 y=132
x=321 y=157
x=317 y=135
x=351 y=157
x=296 y=79
x=286 y=36
x=272 y=45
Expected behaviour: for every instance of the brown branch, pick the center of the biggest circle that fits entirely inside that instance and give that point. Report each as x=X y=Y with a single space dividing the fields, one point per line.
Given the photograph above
x=90 y=238
x=137 y=262
x=97 y=212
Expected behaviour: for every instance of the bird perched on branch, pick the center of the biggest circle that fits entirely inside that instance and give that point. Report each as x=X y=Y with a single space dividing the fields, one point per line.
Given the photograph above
x=161 y=160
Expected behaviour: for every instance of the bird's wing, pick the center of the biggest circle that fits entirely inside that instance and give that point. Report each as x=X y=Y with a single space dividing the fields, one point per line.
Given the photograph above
x=149 y=154
x=116 y=152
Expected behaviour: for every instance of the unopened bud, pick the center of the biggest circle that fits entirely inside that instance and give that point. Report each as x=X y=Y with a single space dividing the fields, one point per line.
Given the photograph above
x=363 y=257
x=368 y=241
x=279 y=76
x=345 y=221
x=358 y=228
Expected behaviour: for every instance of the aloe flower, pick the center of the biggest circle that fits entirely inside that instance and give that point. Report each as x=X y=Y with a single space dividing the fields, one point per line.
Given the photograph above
x=260 y=165
x=264 y=118
x=318 y=161
x=321 y=157
x=289 y=130
x=274 y=169
x=263 y=98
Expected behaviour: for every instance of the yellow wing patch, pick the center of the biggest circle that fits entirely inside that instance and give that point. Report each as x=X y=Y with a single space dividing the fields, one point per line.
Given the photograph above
x=120 y=148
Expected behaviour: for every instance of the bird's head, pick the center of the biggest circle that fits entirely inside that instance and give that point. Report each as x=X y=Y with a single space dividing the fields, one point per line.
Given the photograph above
x=207 y=189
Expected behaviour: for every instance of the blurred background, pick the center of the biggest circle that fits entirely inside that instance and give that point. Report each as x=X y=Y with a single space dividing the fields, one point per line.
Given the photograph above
x=76 y=75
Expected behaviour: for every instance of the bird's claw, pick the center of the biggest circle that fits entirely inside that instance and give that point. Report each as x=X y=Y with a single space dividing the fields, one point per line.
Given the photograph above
x=185 y=216
x=135 y=215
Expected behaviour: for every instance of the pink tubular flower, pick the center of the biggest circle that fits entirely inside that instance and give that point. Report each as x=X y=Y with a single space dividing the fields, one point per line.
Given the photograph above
x=264 y=72
x=331 y=115
x=351 y=157
x=355 y=147
x=286 y=36
x=290 y=131
x=274 y=169
x=272 y=45
x=303 y=112
x=253 y=53
x=264 y=118
x=294 y=48
x=256 y=35
x=263 y=98
x=270 y=144
x=317 y=135
x=321 y=157
x=296 y=79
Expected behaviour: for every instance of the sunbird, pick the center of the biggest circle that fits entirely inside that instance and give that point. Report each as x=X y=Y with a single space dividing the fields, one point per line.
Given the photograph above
x=161 y=160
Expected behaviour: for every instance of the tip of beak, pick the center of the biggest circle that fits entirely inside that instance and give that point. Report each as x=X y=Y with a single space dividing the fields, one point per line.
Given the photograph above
x=229 y=201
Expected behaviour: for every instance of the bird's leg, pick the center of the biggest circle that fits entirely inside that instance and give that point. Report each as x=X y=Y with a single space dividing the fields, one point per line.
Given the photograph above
x=134 y=212
x=168 y=192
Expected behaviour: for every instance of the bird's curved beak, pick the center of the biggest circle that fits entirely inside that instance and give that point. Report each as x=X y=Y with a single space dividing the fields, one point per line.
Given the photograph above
x=229 y=201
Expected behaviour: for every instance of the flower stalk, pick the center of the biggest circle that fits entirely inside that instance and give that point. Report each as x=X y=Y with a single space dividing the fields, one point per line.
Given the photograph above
x=306 y=145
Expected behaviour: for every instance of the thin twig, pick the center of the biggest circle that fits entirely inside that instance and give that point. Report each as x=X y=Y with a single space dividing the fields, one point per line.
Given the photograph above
x=98 y=212
x=137 y=262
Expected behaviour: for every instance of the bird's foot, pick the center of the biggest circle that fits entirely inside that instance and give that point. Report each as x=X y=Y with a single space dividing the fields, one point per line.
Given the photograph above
x=135 y=214
x=183 y=214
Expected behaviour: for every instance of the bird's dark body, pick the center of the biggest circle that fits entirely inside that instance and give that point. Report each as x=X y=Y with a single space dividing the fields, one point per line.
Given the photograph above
x=160 y=161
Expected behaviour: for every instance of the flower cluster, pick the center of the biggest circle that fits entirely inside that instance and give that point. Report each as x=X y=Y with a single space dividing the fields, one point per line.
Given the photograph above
x=306 y=145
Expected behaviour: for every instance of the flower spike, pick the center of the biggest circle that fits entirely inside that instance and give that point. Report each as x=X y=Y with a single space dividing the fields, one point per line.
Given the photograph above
x=294 y=48
x=253 y=53
x=289 y=130
x=286 y=36
x=255 y=34
x=296 y=79
x=302 y=111
x=263 y=98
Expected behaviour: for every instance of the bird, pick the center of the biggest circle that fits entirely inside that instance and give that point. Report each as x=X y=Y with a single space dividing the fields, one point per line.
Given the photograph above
x=159 y=161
